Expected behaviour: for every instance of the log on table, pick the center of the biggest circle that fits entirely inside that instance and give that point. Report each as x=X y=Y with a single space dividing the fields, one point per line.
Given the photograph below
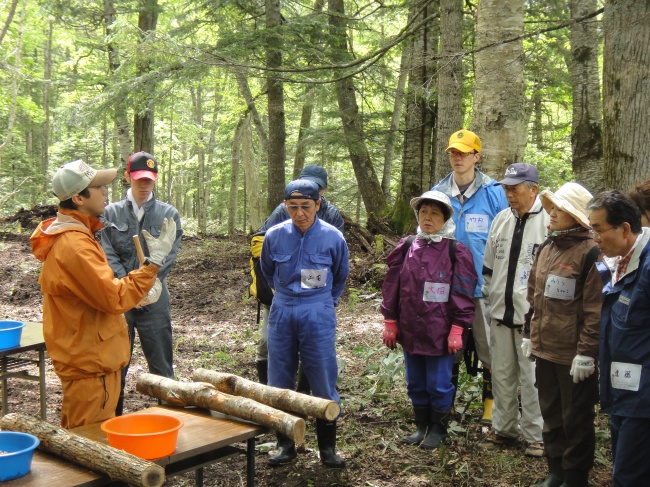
x=275 y=397
x=207 y=396
x=117 y=464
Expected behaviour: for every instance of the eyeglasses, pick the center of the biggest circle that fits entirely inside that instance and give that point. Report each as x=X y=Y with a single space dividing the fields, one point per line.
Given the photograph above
x=453 y=153
x=598 y=234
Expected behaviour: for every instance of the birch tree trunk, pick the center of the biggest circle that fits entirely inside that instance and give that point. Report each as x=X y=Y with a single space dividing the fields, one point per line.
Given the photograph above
x=450 y=82
x=197 y=99
x=251 y=175
x=207 y=396
x=234 y=178
x=47 y=78
x=369 y=187
x=626 y=93
x=499 y=116
x=587 y=121
x=275 y=94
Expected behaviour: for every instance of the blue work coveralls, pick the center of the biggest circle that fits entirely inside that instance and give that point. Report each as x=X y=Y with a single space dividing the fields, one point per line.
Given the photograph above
x=308 y=273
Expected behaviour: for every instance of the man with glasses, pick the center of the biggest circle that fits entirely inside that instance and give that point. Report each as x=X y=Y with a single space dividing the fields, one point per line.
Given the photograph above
x=515 y=235
x=305 y=261
x=85 y=332
x=624 y=333
x=476 y=199
x=327 y=212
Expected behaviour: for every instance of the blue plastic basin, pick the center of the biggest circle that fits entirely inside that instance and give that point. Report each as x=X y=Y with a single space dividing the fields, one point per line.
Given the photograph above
x=16 y=452
x=10 y=333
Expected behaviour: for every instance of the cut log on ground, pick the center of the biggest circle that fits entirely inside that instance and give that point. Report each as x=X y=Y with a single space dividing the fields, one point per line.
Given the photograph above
x=117 y=464
x=284 y=399
x=205 y=395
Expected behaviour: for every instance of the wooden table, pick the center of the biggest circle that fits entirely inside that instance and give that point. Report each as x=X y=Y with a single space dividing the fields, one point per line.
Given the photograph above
x=206 y=438
x=12 y=367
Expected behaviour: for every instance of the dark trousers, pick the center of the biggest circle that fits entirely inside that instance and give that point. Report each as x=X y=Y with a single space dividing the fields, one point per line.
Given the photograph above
x=568 y=412
x=630 y=451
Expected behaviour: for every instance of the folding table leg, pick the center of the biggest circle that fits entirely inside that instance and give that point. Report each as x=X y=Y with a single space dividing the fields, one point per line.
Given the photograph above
x=250 y=462
x=41 y=375
x=199 y=477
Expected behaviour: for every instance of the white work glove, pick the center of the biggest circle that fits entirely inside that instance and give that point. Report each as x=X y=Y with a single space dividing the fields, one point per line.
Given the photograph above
x=153 y=295
x=161 y=246
x=527 y=348
x=582 y=367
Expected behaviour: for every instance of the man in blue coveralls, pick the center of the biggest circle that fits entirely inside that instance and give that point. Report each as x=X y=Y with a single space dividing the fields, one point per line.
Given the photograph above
x=305 y=261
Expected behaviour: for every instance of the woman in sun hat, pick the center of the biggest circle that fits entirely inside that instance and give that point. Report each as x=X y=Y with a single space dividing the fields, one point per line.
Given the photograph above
x=561 y=335
x=428 y=304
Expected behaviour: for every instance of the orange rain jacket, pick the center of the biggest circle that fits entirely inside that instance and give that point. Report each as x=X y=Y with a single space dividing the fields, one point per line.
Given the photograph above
x=83 y=303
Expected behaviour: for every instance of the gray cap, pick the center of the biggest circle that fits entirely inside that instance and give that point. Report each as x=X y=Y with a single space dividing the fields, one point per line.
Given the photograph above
x=73 y=177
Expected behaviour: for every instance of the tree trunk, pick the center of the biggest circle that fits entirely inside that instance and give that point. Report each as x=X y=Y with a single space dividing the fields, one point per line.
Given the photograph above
x=10 y=16
x=499 y=103
x=419 y=117
x=117 y=464
x=305 y=123
x=284 y=399
x=47 y=78
x=373 y=197
x=251 y=176
x=143 y=120
x=275 y=94
x=14 y=84
x=199 y=149
x=204 y=395
x=450 y=82
x=234 y=178
x=587 y=121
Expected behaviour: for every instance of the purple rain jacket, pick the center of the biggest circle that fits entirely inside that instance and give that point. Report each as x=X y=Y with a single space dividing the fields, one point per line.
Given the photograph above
x=414 y=294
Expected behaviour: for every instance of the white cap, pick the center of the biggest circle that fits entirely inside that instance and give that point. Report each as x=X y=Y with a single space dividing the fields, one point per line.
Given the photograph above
x=73 y=177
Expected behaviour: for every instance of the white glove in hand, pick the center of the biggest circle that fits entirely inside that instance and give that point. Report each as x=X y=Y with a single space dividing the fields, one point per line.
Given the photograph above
x=527 y=348
x=153 y=295
x=161 y=246
x=582 y=368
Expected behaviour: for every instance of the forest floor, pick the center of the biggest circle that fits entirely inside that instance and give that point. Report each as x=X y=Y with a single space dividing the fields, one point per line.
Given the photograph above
x=215 y=327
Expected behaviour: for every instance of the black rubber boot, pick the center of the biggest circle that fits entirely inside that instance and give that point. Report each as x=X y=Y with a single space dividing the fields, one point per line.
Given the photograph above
x=326 y=433
x=286 y=451
x=576 y=478
x=422 y=417
x=555 y=477
x=263 y=371
x=303 y=383
x=437 y=431
x=455 y=370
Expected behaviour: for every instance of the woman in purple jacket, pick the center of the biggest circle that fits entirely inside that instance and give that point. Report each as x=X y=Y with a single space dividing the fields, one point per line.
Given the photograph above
x=428 y=304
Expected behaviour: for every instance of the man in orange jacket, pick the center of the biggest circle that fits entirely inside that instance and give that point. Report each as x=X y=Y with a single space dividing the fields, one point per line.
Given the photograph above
x=86 y=335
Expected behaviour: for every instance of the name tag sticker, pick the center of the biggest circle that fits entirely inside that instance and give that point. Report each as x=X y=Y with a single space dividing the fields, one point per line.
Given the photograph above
x=625 y=376
x=560 y=287
x=476 y=223
x=522 y=279
x=436 y=292
x=313 y=278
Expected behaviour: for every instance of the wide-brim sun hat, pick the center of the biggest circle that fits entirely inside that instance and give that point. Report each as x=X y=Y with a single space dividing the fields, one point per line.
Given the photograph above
x=433 y=196
x=572 y=198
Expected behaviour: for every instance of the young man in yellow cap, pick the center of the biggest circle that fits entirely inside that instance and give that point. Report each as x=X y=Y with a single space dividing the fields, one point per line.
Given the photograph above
x=476 y=199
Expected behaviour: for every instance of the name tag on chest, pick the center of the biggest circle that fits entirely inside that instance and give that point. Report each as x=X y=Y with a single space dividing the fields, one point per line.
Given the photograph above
x=436 y=292
x=313 y=278
x=625 y=376
x=476 y=223
x=560 y=287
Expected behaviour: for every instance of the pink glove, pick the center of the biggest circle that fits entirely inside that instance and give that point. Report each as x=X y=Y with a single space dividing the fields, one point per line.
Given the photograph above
x=390 y=333
x=455 y=339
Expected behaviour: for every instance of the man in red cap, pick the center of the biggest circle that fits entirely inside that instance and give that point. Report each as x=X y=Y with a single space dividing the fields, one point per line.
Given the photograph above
x=139 y=211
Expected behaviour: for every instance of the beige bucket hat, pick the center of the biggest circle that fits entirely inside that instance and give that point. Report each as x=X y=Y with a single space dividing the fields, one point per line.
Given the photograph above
x=572 y=198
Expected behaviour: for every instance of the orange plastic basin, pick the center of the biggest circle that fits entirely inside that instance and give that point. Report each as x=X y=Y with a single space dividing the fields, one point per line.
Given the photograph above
x=147 y=436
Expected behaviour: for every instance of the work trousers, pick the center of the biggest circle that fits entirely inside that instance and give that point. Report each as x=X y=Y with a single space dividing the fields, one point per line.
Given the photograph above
x=510 y=368
x=91 y=400
x=262 y=350
x=428 y=381
x=303 y=329
x=630 y=451
x=568 y=412
x=481 y=332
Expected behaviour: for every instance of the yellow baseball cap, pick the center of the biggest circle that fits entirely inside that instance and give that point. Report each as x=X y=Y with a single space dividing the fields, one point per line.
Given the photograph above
x=464 y=141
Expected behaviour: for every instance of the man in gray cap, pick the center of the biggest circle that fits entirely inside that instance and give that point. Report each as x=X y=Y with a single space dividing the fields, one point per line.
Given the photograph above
x=305 y=261
x=327 y=212
x=514 y=237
